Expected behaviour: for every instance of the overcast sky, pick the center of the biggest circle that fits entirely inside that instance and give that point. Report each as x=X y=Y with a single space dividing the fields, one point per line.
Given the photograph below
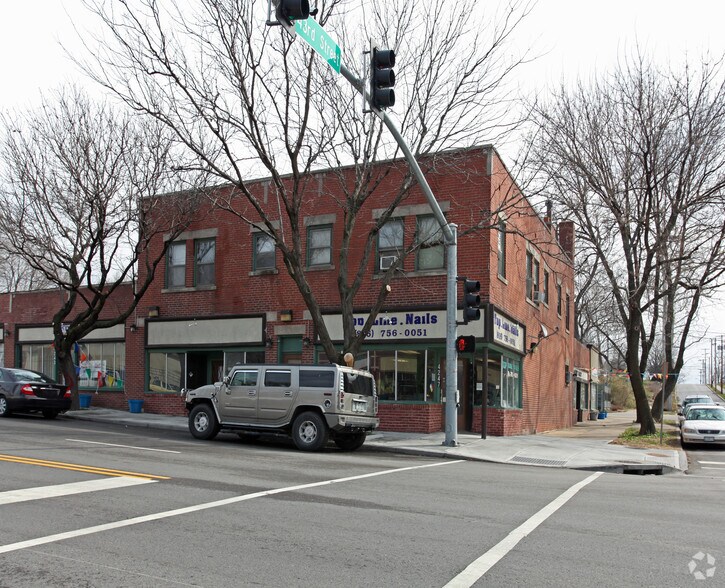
x=575 y=38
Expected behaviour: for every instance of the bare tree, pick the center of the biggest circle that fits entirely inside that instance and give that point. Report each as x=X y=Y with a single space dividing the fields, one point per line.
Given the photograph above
x=16 y=275
x=78 y=183
x=637 y=158
x=245 y=99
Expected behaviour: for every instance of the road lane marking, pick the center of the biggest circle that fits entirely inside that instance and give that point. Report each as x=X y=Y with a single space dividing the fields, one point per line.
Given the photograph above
x=125 y=446
x=204 y=506
x=78 y=468
x=713 y=462
x=476 y=570
x=40 y=492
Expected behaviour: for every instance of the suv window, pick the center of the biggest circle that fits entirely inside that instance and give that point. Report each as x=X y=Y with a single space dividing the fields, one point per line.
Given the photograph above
x=356 y=384
x=244 y=378
x=280 y=379
x=317 y=378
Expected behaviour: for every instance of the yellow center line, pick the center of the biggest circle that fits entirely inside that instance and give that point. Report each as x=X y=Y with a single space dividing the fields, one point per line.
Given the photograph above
x=78 y=468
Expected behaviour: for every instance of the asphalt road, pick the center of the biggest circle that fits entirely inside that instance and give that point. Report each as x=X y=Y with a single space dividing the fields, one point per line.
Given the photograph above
x=239 y=513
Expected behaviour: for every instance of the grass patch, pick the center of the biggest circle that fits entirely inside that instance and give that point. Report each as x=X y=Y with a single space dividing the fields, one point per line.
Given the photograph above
x=632 y=438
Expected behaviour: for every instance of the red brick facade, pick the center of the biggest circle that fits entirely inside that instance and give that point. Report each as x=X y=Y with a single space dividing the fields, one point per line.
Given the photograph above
x=472 y=187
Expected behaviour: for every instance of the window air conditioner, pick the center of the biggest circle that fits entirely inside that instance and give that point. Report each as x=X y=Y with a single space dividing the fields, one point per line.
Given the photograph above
x=387 y=260
x=539 y=297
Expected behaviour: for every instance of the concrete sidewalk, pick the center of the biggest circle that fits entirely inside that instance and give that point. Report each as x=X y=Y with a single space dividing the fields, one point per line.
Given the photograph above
x=586 y=446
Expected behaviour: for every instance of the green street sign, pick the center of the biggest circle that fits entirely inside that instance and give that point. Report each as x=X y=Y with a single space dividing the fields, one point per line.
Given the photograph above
x=320 y=41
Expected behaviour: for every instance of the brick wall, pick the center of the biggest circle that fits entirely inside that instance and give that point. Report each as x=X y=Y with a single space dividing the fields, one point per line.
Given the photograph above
x=411 y=418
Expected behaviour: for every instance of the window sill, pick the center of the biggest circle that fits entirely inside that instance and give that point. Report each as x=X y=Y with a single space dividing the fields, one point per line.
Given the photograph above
x=321 y=267
x=188 y=289
x=265 y=272
x=400 y=273
x=503 y=279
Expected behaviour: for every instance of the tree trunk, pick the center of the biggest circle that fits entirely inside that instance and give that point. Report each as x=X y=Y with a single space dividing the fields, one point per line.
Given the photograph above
x=644 y=415
x=70 y=377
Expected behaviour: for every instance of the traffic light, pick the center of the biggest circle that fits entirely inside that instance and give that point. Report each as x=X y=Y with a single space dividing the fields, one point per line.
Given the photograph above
x=291 y=10
x=466 y=344
x=471 y=301
x=382 y=78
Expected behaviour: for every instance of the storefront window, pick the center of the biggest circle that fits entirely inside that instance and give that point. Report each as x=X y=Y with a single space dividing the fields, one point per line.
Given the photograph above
x=402 y=375
x=101 y=365
x=410 y=375
x=40 y=358
x=166 y=372
x=510 y=383
x=232 y=358
x=382 y=366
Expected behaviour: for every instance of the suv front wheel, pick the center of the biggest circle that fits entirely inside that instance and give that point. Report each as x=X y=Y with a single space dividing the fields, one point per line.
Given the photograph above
x=309 y=432
x=203 y=423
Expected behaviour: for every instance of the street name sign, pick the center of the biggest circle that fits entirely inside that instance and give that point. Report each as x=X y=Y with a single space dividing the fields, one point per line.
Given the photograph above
x=316 y=37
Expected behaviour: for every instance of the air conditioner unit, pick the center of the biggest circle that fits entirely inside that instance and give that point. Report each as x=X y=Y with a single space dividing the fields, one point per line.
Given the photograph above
x=387 y=260
x=539 y=297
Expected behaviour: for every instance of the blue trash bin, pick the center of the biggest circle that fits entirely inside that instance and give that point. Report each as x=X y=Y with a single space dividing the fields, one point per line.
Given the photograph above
x=85 y=400
x=135 y=405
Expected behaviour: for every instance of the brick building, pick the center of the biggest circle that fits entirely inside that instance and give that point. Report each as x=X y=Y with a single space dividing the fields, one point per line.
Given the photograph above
x=225 y=297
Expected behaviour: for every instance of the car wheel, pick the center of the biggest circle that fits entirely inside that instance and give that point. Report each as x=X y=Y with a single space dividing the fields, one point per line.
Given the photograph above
x=50 y=413
x=4 y=410
x=350 y=442
x=309 y=432
x=203 y=423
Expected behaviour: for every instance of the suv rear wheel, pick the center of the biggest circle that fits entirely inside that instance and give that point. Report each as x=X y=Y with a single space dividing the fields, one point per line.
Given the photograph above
x=309 y=432
x=203 y=423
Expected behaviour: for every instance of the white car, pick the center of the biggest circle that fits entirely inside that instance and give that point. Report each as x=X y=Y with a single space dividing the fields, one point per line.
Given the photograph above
x=703 y=424
x=682 y=415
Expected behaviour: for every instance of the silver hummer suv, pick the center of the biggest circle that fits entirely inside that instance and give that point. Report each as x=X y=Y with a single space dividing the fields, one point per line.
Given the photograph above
x=310 y=403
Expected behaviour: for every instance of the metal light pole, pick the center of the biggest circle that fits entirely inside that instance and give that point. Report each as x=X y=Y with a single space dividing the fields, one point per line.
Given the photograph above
x=450 y=239
x=291 y=13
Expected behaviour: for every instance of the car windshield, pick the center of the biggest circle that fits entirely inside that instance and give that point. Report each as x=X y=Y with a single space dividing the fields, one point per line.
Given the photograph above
x=706 y=414
x=27 y=376
x=698 y=400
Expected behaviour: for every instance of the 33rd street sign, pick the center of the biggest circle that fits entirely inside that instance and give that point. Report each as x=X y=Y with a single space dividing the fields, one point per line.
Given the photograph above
x=320 y=41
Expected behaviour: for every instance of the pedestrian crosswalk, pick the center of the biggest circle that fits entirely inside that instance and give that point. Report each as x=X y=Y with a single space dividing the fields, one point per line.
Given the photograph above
x=56 y=490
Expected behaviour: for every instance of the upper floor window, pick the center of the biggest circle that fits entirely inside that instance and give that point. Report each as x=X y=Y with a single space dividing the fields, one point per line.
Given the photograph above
x=176 y=265
x=532 y=276
x=568 y=312
x=502 y=248
x=390 y=244
x=204 y=257
x=429 y=237
x=545 y=287
x=263 y=252
x=319 y=246
x=558 y=298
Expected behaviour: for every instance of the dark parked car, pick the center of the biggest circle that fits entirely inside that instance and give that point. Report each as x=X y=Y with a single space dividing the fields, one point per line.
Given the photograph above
x=29 y=391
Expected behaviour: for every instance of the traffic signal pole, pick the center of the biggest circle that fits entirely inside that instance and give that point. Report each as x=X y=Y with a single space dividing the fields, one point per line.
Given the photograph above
x=289 y=11
x=450 y=239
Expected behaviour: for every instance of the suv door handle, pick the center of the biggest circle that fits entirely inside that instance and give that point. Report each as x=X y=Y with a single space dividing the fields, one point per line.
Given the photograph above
x=288 y=393
x=252 y=393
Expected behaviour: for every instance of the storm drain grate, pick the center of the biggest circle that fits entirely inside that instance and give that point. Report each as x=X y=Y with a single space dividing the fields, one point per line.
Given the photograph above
x=537 y=460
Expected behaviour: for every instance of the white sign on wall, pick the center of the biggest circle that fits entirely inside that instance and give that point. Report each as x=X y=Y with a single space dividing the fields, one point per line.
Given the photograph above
x=391 y=326
x=507 y=332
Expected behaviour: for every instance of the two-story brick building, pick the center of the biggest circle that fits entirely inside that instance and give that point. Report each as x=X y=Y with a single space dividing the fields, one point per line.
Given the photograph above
x=224 y=297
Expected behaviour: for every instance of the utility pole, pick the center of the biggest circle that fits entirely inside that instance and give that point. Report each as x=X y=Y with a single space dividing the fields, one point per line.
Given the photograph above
x=720 y=381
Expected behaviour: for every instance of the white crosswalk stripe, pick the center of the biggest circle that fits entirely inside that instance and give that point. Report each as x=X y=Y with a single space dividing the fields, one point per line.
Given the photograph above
x=40 y=492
